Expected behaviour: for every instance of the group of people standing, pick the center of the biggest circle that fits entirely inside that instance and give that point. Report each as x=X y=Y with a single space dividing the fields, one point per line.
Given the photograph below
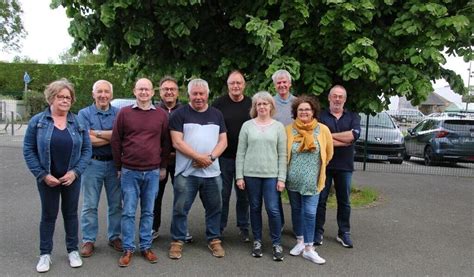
x=238 y=142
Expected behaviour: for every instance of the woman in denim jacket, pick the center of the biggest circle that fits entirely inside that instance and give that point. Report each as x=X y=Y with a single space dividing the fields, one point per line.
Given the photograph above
x=57 y=150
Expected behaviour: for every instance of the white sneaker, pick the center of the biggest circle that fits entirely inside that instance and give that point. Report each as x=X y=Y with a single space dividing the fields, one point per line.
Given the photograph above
x=74 y=259
x=297 y=250
x=313 y=256
x=43 y=263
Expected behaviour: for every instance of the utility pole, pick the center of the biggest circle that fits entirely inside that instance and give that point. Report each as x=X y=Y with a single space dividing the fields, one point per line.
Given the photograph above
x=468 y=86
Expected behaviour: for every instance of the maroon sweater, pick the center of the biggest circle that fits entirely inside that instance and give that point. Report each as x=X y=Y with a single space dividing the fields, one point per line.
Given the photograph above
x=141 y=139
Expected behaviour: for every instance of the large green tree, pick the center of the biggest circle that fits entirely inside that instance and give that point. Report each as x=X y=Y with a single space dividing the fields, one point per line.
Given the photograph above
x=376 y=48
x=11 y=26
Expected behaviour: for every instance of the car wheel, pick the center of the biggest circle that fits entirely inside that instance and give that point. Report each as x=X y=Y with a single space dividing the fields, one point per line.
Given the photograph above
x=406 y=157
x=396 y=162
x=428 y=156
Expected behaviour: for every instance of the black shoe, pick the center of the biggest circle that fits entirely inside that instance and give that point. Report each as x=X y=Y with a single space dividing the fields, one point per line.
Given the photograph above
x=188 y=238
x=277 y=253
x=257 y=249
x=244 y=235
x=318 y=239
x=345 y=240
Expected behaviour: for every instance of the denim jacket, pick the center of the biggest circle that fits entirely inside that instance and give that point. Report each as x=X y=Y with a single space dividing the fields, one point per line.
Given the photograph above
x=36 y=144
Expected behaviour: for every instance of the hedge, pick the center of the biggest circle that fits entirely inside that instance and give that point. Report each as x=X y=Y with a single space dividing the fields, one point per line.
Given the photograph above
x=82 y=76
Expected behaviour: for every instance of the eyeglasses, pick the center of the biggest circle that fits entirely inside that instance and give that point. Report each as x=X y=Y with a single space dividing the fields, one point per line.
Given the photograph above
x=304 y=110
x=168 y=89
x=63 y=97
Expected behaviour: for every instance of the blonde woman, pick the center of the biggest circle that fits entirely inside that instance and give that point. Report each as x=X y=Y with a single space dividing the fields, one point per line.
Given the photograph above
x=57 y=150
x=261 y=169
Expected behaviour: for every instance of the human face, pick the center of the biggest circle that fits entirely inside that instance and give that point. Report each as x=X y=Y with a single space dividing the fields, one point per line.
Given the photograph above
x=263 y=108
x=304 y=112
x=236 y=86
x=62 y=101
x=169 y=92
x=143 y=91
x=337 y=98
x=198 y=97
x=102 y=96
x=282 y=86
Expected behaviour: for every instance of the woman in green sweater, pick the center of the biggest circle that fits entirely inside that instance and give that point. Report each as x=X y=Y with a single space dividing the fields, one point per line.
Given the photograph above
x=261 y=169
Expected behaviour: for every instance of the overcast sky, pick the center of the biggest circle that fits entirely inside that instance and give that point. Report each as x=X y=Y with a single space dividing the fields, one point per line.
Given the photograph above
x=48 y=37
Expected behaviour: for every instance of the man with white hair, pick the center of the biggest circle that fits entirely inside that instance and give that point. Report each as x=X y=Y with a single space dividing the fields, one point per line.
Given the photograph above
x=99 y=119
x=199 y=136
x=283 y=99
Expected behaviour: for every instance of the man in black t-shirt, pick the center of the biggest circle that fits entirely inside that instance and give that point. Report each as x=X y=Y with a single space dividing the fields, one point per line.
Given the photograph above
x=235 y=107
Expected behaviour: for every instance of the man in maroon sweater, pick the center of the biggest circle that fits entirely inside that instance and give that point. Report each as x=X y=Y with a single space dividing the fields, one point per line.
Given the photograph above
x=140 y=146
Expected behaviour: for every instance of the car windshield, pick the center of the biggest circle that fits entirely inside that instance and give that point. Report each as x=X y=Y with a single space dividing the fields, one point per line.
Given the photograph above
x=381 y=120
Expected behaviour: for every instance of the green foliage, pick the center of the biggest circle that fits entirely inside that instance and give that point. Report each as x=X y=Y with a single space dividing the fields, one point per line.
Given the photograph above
x=375 y=48
x=82 y=76
x=34 y=102
x=11 y=26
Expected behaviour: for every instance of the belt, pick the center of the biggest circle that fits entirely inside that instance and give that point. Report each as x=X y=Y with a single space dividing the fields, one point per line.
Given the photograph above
x=102 y=158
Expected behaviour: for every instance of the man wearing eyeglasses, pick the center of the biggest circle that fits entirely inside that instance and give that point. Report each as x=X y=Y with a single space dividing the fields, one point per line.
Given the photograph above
x=169 y=93
x=99 y=119
x=235 y=107
x=141 y=146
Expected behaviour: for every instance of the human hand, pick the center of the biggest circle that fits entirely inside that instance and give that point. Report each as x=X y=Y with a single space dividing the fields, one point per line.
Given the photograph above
x=240 y=184
x=68 y=178
x=280 y=186
x=202 y=161
x=162 y=173
x=51 y=181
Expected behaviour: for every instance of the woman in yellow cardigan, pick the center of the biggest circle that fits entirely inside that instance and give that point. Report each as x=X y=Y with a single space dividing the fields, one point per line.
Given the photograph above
x=310 y=149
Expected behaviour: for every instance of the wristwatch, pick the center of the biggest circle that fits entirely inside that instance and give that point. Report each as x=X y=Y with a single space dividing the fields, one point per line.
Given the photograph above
x=98 y=134
x=212 y=157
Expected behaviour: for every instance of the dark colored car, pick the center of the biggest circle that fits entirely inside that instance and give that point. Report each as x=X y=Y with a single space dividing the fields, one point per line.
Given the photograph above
x=443 y=139
x=384 y=139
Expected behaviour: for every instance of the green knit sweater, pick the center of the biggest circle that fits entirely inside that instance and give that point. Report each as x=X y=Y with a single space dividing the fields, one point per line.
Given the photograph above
x=261 y=151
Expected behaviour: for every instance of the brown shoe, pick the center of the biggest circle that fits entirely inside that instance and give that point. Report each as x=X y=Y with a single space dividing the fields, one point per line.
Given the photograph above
x=116 y=244
x=216 y=248
x=176 y=250
x=150 y=256
x=87 y=249
x=126 y=259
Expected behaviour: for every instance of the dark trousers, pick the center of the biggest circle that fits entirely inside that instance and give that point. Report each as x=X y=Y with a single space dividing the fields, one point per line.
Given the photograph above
x=49 y=197
x=159 y=198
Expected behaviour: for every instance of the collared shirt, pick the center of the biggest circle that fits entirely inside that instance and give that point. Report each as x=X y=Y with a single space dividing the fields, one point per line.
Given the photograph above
x=135 y=106
x=96 y=119
x=343 y=158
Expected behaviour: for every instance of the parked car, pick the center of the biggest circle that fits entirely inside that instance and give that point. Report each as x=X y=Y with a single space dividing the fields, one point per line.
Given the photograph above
x=407 y=115
x=384 y=139
x=442 y=139
x=122 y=102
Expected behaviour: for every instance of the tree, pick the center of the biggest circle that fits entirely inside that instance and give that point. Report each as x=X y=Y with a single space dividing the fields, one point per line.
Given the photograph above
x=11 y=26
x=376 y=48
x=84 y=56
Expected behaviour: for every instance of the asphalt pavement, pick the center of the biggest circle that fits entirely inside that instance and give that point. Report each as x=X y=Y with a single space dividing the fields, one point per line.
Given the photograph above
x=422 y=226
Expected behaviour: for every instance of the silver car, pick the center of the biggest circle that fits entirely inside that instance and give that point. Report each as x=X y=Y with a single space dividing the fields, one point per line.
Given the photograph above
x=381 y=141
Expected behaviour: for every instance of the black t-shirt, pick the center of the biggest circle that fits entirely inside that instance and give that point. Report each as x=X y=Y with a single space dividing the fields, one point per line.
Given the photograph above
x=235 y=114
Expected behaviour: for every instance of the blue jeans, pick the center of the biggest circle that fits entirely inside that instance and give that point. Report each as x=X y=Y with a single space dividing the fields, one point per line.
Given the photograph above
x=303 y=214
x=242 y=205
x=137 y=185
x=49 y=197
x=259 y=190
x=185 y=191
x=97 y=175
x=342 y=185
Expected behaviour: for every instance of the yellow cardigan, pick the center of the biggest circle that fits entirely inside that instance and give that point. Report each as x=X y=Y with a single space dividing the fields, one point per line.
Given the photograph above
x=325 y=142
